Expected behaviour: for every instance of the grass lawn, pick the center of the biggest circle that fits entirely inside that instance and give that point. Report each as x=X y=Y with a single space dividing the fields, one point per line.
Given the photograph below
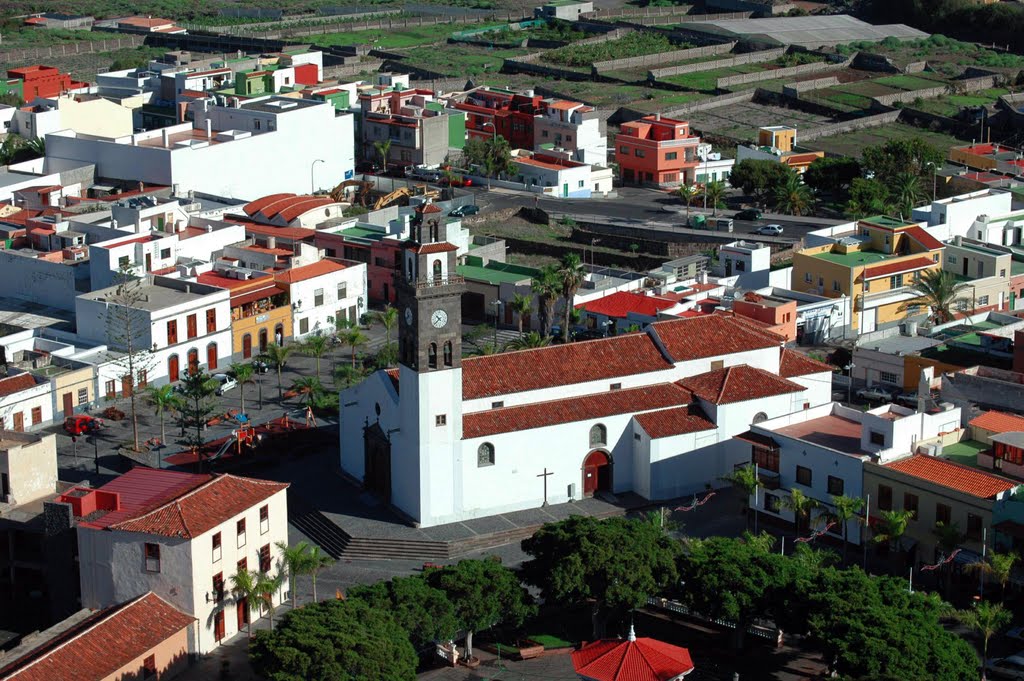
x=964 y=452
x=550 y=642
x=852 y=143
x=390 y=38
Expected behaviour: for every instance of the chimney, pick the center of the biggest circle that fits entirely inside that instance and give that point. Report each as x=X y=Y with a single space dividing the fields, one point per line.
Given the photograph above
x=1018 y=351
x=209 y=129
x=959 y=240
x=166 y=138
x=657 y=116
x=271 y=242
x=236 y=103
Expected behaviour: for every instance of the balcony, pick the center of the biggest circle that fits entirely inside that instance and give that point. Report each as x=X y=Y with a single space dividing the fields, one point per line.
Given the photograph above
x=258 y=307
x=902 y=294
x=440 y=281
x=769 y=479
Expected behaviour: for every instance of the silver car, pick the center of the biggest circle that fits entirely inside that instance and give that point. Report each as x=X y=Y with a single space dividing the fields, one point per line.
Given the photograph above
x=225 y=382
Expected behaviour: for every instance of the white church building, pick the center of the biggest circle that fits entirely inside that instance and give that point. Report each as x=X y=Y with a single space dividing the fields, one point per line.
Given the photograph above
x=444 y=439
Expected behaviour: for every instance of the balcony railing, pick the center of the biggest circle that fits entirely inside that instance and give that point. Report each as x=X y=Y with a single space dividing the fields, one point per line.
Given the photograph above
x=769 y=479
x=440 y=281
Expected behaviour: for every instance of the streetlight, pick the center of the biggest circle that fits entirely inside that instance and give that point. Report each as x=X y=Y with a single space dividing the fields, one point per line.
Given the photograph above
x=494 y=130
x=497 y=313
x=312 y=182
x=849 y=384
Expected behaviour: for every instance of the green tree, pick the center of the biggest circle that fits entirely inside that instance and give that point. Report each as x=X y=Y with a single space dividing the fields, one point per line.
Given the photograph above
x=997 y=567
x=354 y=338
x=316 y=562
x=316 y=346
x=529 y=341
x=832 y=174
x=337 y=640
x=309 y=388
x=522 y=306
x=802 y=506
x=266 y=586
x=197 y=391
x=243 y=371
x=891 y=527
x=867 y=197
x=547 y=286
x=940 y=291
x=713 y=192
x=986 y=619
x=687 y=194
x=347 y=376
x=383 y=148
x=948 y=538
x=906 y=191
x=746 y=482
x=293 y=560
x=162 y=399
x=422 y=610
x=388 y=318
x=484 y=593
x=277 y=355
x=844 y=510
x=613 y=564
x=758 y=178
x=912 y=155
x=792 y=196
x=571 y=274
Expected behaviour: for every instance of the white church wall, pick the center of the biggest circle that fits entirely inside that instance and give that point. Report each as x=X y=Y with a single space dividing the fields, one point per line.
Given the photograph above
x=357 y=410
x=819 y=387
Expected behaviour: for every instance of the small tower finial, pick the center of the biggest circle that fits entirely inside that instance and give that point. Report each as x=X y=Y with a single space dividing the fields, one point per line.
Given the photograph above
x=632 y=634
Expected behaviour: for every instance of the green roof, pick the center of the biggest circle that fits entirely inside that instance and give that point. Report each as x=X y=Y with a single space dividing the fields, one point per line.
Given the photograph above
x=362 y=233
x=1016 y=267
x=886 y=221
x=855 y=258
x=497 y=272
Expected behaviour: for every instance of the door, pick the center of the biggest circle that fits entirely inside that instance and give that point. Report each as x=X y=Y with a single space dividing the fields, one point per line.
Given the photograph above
x=19 y=422
x=247 y=346
x=218 y=625
x=867 y=320
x=211 y=356
x=263 y=340
x=193 y=360
x=242 y=613
x=565 y=189
x=172 y=368
x=69 y=404
x=377 y=463
x=965 y=267
x=149 y=262
x=596 y=473
x=126 y=385
x=5 y=486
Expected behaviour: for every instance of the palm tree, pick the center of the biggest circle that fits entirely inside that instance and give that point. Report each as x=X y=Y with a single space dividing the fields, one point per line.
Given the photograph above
x=388 y=318
x=278 y=356
x=906 y=190
x=315 y=346
x=383 y=148
x=746 y=482
x=714 y=191
x=793 y=196
x=687 y=193
x=266 y=586
x=801 y=505
x=997 y=566
x=522 y=306
x=245 y=586
x=530 y=340
x=940 y=291
x=547 y=286
x=354 y=339
x=987 y=619
x=949 y=537
x=310 y=387
x=294 y=559
x=348 y=376
x=891 y=527
x=316 y=560
x=572 y=276
x=37 y=146
x=162 y=399
x=844 y=510
x=243 y=372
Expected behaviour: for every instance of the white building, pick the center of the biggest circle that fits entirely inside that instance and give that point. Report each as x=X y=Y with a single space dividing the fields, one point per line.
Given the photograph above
x=179 y=324
x=181 y=536
x=571 y=130
x=821 y=451
x=82 y=113
x=28 y=467
x=444 y=438
x=26 y=402
x=246 y=150
x=958 y=213
x=711 y=166
x=322 y=292
x=557 y=177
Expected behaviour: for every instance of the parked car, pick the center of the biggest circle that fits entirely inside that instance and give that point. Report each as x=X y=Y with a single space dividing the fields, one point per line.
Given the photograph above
x=82 y=424
x=260 y=367
x=875 y=393
x=226 y=383
x=906 y=400
x=748 y=214
x=769 y=230
x=457 y=181
x=1011 y=667
x=423 y=173
x=463 y=211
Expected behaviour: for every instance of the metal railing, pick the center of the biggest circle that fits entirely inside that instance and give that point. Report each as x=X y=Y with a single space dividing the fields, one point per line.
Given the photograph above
x=440 y=281
x=761 y=629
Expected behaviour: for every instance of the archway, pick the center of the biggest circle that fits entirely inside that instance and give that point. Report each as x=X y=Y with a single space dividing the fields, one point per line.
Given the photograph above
x=597 y=473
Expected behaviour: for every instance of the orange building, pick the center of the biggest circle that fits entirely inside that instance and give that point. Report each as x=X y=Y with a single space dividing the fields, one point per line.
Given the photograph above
x=43 y=81
x=656 y=151
x=778 y=313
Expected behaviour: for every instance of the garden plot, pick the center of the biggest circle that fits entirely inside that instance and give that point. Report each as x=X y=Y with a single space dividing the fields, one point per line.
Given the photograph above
x=633 y=45
x=458 y=59
x=741 y=121
x=707 y=81
x=857 y=95
x=853 y=143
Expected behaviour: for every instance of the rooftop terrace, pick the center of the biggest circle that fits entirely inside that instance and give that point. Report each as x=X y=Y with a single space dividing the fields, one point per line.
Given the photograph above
x=831 y=431
x=855 y=258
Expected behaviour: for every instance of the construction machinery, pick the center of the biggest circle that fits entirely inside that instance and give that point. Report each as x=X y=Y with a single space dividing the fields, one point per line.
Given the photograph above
x=361 y=193
x=402 y=192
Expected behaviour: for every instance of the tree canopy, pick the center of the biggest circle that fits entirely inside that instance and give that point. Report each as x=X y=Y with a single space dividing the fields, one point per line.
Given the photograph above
x=758 y=178
x=897 y=156
x=420 y=609
x=832 y=174
x=337 y=640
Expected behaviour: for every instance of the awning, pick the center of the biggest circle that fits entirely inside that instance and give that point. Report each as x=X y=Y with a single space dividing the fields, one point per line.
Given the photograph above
x=253 y=296
x=757 y=439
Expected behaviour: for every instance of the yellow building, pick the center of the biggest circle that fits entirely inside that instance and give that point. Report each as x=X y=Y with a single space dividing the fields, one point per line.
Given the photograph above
x=877 y=266
x=260 y=312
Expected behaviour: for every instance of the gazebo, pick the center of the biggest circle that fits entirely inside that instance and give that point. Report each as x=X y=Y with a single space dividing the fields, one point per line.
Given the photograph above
x=633 y=659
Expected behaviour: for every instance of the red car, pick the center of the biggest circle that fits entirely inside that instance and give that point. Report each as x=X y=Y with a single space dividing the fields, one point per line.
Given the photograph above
x=457 y=181
x=82 y=424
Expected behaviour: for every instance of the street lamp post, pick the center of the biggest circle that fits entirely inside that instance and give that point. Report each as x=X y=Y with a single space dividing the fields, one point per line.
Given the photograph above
x=849 y=382
x=312 y=182
x=497 y=313
x=494 y=130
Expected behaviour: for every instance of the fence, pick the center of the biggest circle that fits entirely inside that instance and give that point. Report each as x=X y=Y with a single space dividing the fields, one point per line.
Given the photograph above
x=849 y=126
x=966 y=85
x=772 y=74
x=343 y=26
x=31 y=54
x=712 y=103
x=748 y=58
x=794 y=89
x=662 y=57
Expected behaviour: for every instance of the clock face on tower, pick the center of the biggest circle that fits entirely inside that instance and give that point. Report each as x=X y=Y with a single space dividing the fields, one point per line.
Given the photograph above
x=439 y=318
x=408 y=316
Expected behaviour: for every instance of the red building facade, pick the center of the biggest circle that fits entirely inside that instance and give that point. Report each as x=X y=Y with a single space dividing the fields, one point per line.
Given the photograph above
x=510 y=114
x=656 y=151
x=43 y=81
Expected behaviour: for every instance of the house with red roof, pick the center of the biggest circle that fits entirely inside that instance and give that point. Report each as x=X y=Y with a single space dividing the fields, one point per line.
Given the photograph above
x=26 y=401
x=181 y=536
x=148 y=25
x=324 y=292
x=446 y=438
x=38 y=80
x=619 y=311
x=292 y=210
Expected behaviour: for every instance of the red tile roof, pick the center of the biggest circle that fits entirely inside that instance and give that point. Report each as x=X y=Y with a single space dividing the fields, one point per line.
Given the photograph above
x=14 y=384
x=428 y=207
x=441 y=247
x=555 y=412
x=256 y=206
x=999 y=422
x=738 y=384
x=677 y=421
x=393 y=374
x=918 y=234
x=793 y=363
x=293 y=233
x=953 y=475
x=710 y=336
x=891 y=268
x=644 y=659
x=621 y=303
x=557 y=365
x=103 y=643
x=317 y=269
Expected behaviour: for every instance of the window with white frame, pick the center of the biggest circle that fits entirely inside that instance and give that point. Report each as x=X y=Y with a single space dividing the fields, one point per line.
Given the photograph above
x=318 y=297
x=888 y=377
x=240 y=533
x=264 y=519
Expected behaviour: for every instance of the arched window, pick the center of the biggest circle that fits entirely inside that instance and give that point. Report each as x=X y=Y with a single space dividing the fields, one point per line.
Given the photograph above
x=759 y=417
x=448 y=353
x=432 y=356
x=437 y=270
x=485 y=455
x=598 y=435
x=263 y=340
x=433 y=229
x=193 y=361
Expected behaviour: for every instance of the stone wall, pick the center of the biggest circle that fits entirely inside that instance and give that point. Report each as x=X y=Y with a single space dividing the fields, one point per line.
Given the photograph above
x=748 y=58
x=662 y=57
x=806 y=135
x=712 y=103
x=34 y=54
x=772 y=74
x=794 y=89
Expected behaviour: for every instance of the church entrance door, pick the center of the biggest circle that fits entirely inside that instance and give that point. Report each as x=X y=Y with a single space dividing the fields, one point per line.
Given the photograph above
x=377 y=462
x=597 y=473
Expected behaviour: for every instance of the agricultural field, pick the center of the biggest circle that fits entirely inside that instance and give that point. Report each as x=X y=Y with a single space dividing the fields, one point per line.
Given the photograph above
x=705 y=81
x=640 y=73
x=741 y=121
x=856 y=95
x=948 y=55
x=950 y=105
x=607 y=95
x=389 y=39
x=853 y=143
x=633 y=45
x=461 y=60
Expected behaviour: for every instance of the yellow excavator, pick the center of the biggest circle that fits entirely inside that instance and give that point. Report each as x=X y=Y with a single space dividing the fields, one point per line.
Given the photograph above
x=362 y=191
x=402 y=192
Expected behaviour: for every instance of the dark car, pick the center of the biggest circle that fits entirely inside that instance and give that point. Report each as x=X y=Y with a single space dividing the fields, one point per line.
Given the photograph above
x=260 y=366
x=463 y=211
x=748 y=214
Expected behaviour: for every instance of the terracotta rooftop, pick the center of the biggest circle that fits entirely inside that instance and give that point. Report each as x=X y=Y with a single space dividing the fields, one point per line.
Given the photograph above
x=738 y=384
x=621 y=303
x=918 y=234
x=711 y=335
x=831 y=431
x=793 y=363
x=892 y=268
x=555 y=412
x=14 y=384
x=999 y=422
x=293 y=233
x=676 y=421
x=102 y=644
x=953 y=475
x=317 y=269
x=440 y=247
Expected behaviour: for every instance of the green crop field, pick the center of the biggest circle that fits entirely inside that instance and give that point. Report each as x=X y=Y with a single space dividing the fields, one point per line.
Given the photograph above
x=853 y=143
x=706 y=81
x=390 y=38
x=950 y=105
x=909 y=82
x=461 y=60
x=632 y=45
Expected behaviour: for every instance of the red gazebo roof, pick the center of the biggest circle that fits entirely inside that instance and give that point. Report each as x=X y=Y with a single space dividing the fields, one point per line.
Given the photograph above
x=632 y=659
